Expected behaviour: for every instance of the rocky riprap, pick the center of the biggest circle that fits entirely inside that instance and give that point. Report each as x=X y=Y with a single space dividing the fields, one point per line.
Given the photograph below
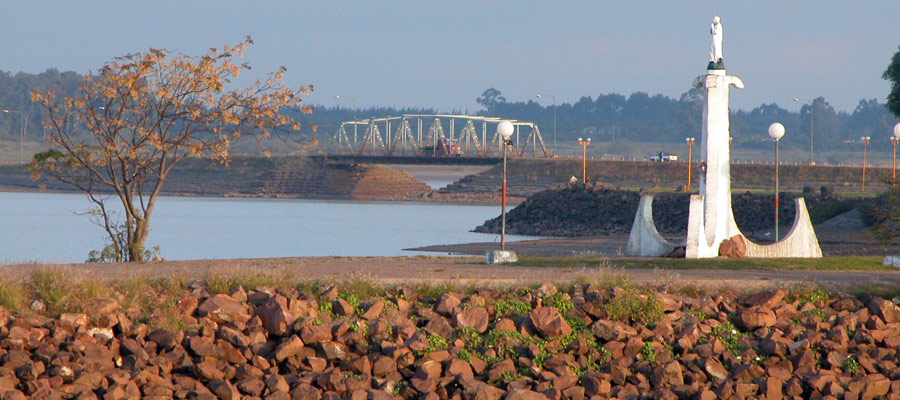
x=588 y=342
x=579 y=210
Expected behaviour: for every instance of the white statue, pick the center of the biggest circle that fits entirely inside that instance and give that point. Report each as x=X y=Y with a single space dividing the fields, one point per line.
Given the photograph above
x=715 y=50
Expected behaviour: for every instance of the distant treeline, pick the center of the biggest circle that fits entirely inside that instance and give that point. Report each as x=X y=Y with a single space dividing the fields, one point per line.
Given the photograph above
x=638 y=117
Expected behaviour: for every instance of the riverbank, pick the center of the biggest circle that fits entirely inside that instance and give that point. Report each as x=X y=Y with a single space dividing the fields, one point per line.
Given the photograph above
x=266 y=328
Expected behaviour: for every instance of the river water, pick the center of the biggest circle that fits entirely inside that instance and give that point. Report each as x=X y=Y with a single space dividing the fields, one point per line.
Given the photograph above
x=46 y=227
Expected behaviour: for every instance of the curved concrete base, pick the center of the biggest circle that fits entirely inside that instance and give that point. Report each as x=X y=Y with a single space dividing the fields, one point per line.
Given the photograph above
x=645 y=240
x=800 y=242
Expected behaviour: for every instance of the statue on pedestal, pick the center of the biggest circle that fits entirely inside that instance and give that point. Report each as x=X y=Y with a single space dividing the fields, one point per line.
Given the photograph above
x=715 y=49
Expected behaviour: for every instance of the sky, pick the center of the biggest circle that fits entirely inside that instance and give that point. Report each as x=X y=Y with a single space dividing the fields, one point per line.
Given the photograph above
x=444 y=54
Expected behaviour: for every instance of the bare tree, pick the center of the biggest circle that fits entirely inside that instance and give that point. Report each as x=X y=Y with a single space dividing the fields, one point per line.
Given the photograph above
x=145 y=113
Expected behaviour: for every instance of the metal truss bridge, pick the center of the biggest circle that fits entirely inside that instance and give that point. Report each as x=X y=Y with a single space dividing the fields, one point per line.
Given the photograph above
x=407 y=135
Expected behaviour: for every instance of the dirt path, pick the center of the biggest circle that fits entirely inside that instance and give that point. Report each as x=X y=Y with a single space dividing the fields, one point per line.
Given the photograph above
x=456 y=270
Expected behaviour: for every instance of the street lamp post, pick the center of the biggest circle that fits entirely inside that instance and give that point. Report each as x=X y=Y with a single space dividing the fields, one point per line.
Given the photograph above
x=505 y=130
x=894 y=140
x=22 y=133
x=865 y=142
x=354 y=115
x=554 y=118
x=690 y=142
x=811 y=160
x=584 y=144
x=776 y=131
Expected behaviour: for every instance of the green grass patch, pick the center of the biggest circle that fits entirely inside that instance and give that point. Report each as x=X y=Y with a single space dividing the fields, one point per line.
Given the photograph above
x=850 y=263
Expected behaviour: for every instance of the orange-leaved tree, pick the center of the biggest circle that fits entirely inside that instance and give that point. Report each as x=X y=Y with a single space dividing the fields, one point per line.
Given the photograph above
x=143 y=114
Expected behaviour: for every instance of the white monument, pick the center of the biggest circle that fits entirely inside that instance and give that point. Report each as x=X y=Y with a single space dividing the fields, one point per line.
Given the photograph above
x=711 y=219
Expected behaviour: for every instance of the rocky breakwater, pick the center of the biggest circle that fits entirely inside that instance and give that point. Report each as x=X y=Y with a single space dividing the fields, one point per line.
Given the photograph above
x=599 y=210
x=587 y=342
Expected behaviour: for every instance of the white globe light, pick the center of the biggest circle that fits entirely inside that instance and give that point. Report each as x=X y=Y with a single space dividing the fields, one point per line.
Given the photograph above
x=897 y=130
x=776 y=131
x=505 y=129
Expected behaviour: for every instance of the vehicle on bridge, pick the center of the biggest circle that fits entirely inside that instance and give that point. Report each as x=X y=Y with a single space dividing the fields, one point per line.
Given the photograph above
x=444 y=148
x=663 y=157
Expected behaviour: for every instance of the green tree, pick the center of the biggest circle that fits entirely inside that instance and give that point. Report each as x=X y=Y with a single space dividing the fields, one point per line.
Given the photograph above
x=145 y=113
x=892 y=74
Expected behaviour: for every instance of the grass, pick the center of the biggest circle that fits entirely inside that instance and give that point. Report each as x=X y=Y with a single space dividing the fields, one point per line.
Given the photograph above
x=849 y=263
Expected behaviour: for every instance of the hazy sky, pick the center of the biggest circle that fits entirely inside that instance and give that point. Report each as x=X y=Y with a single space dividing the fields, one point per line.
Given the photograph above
x=445 y=54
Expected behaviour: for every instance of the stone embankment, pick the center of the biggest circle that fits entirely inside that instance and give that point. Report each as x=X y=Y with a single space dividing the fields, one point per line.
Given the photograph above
x=289 y=177
x=579 y=210
x=590 y=341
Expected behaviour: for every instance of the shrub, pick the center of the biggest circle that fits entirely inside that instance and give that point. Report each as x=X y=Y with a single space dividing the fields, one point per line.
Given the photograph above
x=631 y=305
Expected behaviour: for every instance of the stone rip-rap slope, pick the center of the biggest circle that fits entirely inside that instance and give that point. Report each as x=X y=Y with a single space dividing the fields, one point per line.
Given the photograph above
x=592 y=342
x=579 y=210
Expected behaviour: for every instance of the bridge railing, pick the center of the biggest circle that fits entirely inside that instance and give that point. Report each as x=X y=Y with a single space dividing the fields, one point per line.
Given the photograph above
x=407 y=135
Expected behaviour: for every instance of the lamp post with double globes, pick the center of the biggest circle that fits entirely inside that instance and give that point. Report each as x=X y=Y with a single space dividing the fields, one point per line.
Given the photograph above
x=865 y=142
x=505 y=131
x=22 y=132
x=354 y=115
x=776 y=131
x=554 y=117
x=894 y=140
x=584 y=144
x=690 y=142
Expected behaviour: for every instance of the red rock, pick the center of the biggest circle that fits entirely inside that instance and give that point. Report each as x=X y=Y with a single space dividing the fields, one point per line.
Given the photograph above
x=288 y=348
x=343 y=308
x=756 y=317
x=714 y=368
x=252 y=386
x=669 y=374
x=734 y=247
x=275 y=316
x=476 y=318
x=768 y=298
x=128 y=346
x=448 y=304
x=313 y=334
x=611 y=330
x=875 y=386
x=458 y=368
x=223 y=309
x=596 y=385
x=886 y=309
x=277 y=383
x=224 y=390
x=208 y=370
x=524 y=394
x=439 y=326
x=306 y=391
x=334 y=350
x=202 y=346
x=549 y=322
x=483 y=392
x=374 y=311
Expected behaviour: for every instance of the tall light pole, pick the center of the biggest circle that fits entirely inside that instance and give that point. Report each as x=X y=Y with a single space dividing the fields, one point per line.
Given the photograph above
x=690 y=142
x=505 y=130
x=554 y=118
x=776 y=131
x=865 y=142
x=584 y=144
x=894 y=140
x=22 y=134
x=354 y=115
x=811 y=160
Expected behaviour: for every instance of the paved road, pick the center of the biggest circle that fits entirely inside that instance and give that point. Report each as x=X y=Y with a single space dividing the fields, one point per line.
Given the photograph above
x=459 y=270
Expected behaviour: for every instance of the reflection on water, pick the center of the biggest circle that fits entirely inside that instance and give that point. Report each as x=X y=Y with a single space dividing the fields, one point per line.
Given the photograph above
x=43 y=227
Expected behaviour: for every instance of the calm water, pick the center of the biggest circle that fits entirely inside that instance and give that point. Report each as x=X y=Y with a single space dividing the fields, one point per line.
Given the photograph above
x=43 y=227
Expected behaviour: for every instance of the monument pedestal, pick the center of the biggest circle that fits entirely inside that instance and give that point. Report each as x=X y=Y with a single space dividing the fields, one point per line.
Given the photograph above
x=711 y=219
x=501 y=257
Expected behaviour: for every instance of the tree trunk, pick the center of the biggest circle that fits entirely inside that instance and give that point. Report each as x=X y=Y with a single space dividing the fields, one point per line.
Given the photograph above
x=139 y=240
